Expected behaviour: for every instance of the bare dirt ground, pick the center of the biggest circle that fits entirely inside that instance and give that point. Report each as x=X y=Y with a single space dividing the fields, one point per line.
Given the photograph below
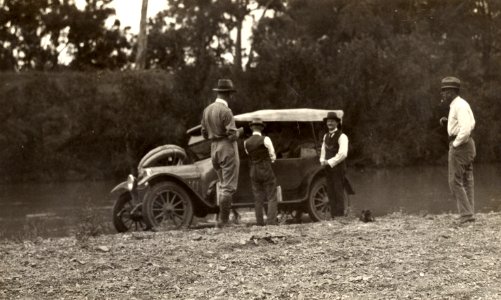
x=396 y=257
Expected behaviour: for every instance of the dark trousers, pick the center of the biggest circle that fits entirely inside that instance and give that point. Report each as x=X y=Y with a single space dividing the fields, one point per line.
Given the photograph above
x=264 y=187
x=335 y=189
x=461 y=176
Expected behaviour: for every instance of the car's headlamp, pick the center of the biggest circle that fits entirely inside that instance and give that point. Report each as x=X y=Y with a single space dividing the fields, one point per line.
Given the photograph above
x=131 y=182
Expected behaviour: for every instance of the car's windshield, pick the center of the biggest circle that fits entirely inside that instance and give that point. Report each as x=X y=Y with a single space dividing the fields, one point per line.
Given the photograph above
x=199 y=148
x=290 y=139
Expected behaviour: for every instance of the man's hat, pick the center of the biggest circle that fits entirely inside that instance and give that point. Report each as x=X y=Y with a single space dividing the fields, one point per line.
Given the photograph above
x=256 y=121
x=224 y=85
x=450 y=83
x=332 y=115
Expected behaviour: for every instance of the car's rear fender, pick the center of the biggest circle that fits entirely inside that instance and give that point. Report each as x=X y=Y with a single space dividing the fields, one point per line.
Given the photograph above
x=200 y=206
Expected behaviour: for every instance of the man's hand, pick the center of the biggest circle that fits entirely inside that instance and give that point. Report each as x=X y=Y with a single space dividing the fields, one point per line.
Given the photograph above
x=443 y=120
x=240 y=132
x=323 y=163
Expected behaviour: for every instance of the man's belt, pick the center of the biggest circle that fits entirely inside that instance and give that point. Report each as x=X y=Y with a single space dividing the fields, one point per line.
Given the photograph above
x=219 y=138
x=260 y=161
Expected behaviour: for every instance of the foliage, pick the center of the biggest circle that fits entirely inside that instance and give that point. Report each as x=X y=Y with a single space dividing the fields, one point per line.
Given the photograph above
x=380 y=61
x=34 y=34
x=75 y=125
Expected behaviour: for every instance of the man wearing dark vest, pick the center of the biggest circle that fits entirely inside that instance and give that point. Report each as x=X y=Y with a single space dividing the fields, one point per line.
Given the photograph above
x=218 y=125
x=264 y=183
x=332 y=156
x=460 y=124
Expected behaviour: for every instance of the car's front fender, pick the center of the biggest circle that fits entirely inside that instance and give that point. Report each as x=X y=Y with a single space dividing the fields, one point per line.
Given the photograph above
x=119 y=189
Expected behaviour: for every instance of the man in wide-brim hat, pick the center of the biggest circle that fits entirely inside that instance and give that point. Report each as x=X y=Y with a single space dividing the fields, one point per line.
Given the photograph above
x=218 y=125
x=264 y=183
x=462 y=151
x=333 y=157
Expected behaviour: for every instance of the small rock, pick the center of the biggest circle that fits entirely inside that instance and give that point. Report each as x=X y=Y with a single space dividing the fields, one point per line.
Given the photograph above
x=103 y=248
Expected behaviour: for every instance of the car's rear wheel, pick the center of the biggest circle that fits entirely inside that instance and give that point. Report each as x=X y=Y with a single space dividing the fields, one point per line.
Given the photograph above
x=318 y=202
x=167 y=206
x=127 y=216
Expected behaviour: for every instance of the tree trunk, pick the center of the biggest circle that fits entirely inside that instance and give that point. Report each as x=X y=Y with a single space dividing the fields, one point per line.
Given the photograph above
x=238 y=47
x=142 y=39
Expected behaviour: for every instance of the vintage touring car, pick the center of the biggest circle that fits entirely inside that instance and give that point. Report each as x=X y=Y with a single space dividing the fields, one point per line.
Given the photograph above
x=174 y=184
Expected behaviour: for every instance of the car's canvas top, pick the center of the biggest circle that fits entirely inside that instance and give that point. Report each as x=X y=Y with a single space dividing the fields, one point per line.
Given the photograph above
x=288 y=115
x=282 y=115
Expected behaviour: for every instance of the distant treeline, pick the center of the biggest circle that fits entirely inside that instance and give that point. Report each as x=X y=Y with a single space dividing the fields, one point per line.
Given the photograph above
x=380 y=61
x=73 y=126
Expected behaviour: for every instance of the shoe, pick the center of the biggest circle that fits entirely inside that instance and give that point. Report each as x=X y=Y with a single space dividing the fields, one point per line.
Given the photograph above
x=220 y=225
x=466 y=220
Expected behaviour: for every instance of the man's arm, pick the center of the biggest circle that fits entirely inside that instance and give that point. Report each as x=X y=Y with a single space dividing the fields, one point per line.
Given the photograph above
x=205 y=134
x=465 y=126
x=271 y=150
x=322 y=152
x=229 y=124
x=342 y=152
x=245 y=147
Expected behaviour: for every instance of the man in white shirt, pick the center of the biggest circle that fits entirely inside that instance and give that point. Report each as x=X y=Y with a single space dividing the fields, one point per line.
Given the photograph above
x=332 y=156
x=264 y=183
x=460 y=124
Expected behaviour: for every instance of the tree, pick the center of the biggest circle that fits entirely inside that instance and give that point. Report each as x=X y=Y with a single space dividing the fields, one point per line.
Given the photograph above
x=142 y=38
x=35 y=33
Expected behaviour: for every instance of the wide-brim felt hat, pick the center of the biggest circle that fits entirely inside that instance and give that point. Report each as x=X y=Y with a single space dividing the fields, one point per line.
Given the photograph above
x=450 y=83
x=332 y=115
x=224 y=85
x=257 y=122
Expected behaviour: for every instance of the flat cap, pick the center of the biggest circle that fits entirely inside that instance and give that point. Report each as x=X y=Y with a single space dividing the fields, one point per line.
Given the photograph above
x=451 y=83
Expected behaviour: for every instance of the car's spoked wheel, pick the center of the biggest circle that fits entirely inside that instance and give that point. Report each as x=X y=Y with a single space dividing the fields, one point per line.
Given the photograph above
x=318 y=202
x=127 y=216
x=168 y=206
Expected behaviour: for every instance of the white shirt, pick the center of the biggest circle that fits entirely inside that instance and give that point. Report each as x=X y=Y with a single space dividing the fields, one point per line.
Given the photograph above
x=460 y=121
x=268 y=144
x=219 y=100
x=342 y=153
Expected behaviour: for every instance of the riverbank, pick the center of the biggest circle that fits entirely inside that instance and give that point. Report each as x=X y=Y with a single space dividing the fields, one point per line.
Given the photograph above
x=398 y=256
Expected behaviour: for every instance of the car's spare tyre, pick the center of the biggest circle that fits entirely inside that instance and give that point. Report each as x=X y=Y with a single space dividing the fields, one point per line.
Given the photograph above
x=166 y=155
x=167 y=206
x=318 y=202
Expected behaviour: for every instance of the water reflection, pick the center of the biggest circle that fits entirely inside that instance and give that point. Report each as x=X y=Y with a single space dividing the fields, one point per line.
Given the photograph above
x=57 y=209
x=421 y=190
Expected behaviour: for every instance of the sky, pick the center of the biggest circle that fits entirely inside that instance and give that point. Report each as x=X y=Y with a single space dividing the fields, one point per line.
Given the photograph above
x=129 y=11
x=129 y=14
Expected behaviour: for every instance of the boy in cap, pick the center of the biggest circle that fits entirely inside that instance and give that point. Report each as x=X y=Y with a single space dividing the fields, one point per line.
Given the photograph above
x=264 y=183
x=332 y=156
x=460 y=124
x=218 y=125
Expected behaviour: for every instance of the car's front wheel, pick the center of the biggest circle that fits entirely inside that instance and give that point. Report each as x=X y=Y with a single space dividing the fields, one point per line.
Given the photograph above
x=127 y=216
x=318 y=202
x=167 y=206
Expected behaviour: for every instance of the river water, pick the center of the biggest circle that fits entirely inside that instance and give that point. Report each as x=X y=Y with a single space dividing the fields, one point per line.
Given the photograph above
x=62 y=209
